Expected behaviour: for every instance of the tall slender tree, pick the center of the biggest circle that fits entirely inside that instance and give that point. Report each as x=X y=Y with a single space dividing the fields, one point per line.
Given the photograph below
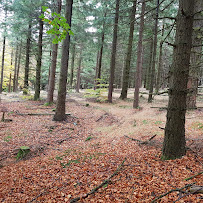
x=3 y=52
x=39 y=61
x=174 y=139
x=79 y=71
x=126 y=71
x=51 y=84
x=72 y=65
x=99 y=66
x=152 y=74
x=139 y=59
x=60 y=113
x=196 y=56
x=27 y=60
x=113 y=53
x=15 y=69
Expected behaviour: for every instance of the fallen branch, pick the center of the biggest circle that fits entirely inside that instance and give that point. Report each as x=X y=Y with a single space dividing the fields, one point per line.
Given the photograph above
x=142 y=142
x=193 y=176
x=99 y=186
x=39 y=114
x=173 y=190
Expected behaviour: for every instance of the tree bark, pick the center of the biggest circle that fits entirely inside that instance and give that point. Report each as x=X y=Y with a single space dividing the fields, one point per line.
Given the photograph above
x=152 y=75
x=196 y=56
x=15 y=69
x=18 y=66
x=139 y=59
x=159 y=69
x=52 y=73
x=2 y=64
x=27 y=60
x=98 y=76
x=72 y=65
x=3 y=53
x=126 y=70
x=79 y=71
x=113 y=53
x=60 y=113
x=39 y=62
x=174 y=139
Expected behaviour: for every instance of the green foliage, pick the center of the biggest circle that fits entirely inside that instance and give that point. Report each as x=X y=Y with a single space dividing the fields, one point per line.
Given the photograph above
x=48 y=104
x=26 y=91
x=7 y=138
x=88 y=138
x=145 y=122
x=23 y=152
x=59 y=26
x=100 y=94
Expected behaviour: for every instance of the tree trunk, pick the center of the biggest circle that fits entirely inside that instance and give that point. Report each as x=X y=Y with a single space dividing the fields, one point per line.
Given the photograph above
x=39 y=61
x=15 y=69
x=2 y=65
x=52 y=72
x=174 y=140
x=96 y=70
x=196 y=56
x=18 y=66
x=159 y=69
x=72 y=65
x=27 y=60
x=139 y=59
x=79 y=71
x=152 y=75
x=3 y=53
x=126 y=71
x=10 y=76
x=149 y=68
x=9 y=84
x=113 y=53
x=98 y=76
x=60 y=113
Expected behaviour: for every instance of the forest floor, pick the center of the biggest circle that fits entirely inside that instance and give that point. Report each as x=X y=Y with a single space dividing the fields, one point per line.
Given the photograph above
x=92 y=151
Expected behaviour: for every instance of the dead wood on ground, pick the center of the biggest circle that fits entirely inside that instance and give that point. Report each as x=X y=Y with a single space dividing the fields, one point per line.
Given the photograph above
x=99 y=186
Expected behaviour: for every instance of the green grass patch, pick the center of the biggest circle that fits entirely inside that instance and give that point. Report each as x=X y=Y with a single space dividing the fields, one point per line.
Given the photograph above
x=8 y=138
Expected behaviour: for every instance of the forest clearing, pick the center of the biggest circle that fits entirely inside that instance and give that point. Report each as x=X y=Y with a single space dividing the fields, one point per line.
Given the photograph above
x=68 y=159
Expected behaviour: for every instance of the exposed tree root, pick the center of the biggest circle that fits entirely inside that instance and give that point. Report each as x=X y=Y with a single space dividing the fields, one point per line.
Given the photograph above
x=99 y=186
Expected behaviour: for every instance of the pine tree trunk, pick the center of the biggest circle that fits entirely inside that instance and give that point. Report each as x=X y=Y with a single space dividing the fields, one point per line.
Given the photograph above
x=113 y=53
x=72 y=65
x=79 y=71
x=39 y=62
x=15 y=69
x=139 y=59
x=60 y=113
x=159 y=69
x=2 y=64
x=52 y=72
x=98 y=76
x=126 y=71
x=196 y=57
x=27 y=60
x=174 y=140
x=18 y=66
x=152 y=75
x=9 y=84
x=149 y=68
